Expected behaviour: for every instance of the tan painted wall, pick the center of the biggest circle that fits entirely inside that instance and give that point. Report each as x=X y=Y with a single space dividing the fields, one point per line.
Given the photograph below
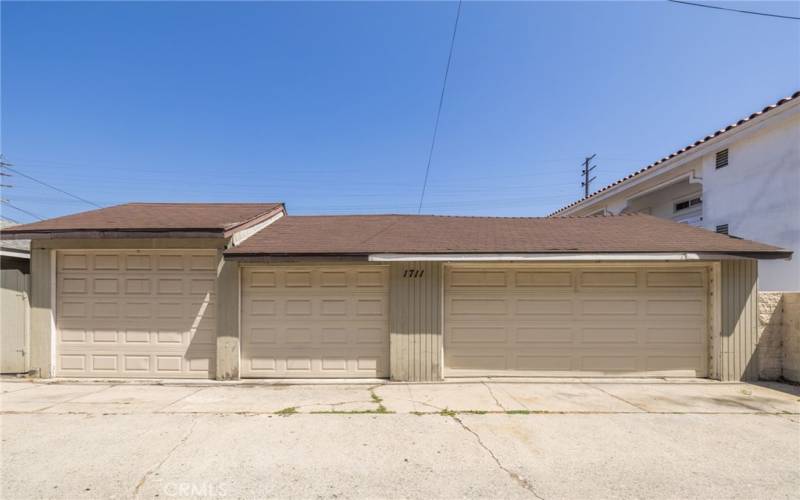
x=415 y=321
x=228 y=325
x=779 y=343
x=42 y=320
x=734 y=348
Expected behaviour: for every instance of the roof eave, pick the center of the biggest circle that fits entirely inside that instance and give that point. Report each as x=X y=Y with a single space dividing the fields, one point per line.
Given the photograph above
x=268 y=257
x=253 y=221
x=257 y=257
x=115 y=233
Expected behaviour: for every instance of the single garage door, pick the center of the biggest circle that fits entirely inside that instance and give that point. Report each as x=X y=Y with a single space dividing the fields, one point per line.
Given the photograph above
x=520 y=321
x=315 y=321
x=135 y=313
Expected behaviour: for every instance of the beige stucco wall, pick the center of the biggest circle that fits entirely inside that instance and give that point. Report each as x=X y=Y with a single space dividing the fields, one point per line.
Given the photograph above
x=779 y=335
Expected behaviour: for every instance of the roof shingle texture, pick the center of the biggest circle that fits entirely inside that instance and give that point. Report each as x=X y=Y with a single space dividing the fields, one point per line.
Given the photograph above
x=214 y=217
x=368 y=234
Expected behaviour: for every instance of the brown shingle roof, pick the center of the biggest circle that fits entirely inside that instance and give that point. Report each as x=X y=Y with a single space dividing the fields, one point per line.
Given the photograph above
x=219 y=218
x=697 y=143
x=368 y=234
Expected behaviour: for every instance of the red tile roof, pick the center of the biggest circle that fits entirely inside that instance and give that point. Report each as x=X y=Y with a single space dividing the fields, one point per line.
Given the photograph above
x=219 y=218
x=414 y=234
x=705 y=139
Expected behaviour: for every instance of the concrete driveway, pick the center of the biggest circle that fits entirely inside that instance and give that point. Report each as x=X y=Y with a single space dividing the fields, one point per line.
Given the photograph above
x=487 y=439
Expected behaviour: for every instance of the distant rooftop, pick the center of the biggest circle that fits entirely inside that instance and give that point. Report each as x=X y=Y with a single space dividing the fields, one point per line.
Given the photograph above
x=781 y=102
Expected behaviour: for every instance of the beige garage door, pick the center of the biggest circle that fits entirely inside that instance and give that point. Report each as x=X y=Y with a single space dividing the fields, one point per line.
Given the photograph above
x=135 y=313
x=315 y=321
x=576 y=322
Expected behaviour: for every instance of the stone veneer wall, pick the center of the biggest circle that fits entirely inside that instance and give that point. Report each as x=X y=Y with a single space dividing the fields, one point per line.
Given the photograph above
x=779 y=335
x=791 y=336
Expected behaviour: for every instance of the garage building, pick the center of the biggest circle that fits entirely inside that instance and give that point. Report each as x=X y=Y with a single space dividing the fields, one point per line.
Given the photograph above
x=244 y=291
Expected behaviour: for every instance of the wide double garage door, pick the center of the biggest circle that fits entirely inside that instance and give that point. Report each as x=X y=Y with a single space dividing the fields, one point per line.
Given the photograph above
x=315 y=321
x=138 y=313
x=576 y=322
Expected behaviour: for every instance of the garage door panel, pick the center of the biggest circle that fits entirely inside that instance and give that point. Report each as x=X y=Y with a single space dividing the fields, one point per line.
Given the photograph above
x=610 y=322
x=608 y=279
x=543 y=279
x=543 y=307
x=675 y=279
x=316 y=364
x=315 y=322
x=136 y=313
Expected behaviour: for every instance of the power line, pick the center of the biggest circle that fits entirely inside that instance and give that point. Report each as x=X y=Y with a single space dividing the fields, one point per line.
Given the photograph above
x=6 y=203
x=51 y=186
x=439 y=110
x=755 y=13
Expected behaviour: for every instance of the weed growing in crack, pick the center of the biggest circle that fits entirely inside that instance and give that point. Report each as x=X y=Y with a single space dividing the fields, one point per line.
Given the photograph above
x=518 y=412
x=447 y=412
x=286 y=411
x=381 y=410
x=375 y=397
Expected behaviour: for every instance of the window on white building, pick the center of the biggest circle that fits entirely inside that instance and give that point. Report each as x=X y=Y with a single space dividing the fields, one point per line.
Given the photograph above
x=687 y=204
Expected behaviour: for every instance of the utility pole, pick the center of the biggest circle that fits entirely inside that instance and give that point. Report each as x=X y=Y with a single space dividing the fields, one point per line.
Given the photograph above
x=586 y=171
x=4 y=163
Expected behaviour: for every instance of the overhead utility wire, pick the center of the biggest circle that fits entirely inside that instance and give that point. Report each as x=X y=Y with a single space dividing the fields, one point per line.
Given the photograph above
x=52 y=187
x=6 y=203
x=755 y=13
x=439 y=110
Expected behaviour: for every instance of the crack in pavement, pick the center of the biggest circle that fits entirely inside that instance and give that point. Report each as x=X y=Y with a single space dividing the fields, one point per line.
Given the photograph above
x=618 y=398
x=497 y=401
x=76 y=397
x=178 y=400
x=153 y=470
x=523 y=482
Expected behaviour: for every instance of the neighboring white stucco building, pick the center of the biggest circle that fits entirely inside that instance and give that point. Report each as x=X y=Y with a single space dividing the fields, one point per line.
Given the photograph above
x=744 y=179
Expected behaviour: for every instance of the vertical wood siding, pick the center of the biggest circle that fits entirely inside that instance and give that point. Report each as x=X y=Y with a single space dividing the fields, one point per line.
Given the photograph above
x=739 y=320
x=14 y=321
x=415 y=321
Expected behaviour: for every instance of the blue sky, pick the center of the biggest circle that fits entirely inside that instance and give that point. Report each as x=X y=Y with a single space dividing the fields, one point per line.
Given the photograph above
x=330 y=106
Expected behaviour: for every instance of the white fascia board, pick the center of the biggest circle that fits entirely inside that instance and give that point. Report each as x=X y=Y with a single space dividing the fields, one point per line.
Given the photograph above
x=242 y=235
x=546 y=257
x=721 y=141
x=13 y=252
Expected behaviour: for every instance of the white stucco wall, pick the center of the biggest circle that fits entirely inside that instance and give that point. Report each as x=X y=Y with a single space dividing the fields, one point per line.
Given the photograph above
x=661 y=203
x=758 y=196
